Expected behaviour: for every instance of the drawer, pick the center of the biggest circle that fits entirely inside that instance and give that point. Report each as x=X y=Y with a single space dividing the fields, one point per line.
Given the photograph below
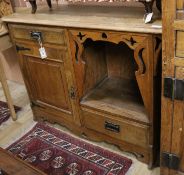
x=123 y=130
x=50 y=35
x=179 y=44
x=29 y=49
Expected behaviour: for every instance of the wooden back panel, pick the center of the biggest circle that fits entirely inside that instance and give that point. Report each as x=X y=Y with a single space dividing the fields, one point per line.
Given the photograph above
x=106 y=59
x=120 y=61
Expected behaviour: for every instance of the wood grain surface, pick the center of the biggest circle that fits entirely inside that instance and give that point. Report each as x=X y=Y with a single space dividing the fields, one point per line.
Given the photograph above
x=93 y=17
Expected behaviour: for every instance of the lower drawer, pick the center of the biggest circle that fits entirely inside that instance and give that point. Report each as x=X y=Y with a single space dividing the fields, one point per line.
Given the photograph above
x=124 y=130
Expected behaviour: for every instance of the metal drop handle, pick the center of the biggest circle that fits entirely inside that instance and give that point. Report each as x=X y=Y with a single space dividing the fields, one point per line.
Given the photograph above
x=36 y=35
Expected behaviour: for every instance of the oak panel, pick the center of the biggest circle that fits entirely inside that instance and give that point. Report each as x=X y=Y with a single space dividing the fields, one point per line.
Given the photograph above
x=48 y=82
x=179 y=44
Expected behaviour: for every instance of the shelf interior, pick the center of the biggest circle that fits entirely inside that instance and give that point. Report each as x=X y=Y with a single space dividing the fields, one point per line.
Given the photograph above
x=109 y=83
x=117 y=96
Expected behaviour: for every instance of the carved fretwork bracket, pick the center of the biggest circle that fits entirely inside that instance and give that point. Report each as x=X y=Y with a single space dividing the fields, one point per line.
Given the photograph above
x=139 y=58
x=140 y=43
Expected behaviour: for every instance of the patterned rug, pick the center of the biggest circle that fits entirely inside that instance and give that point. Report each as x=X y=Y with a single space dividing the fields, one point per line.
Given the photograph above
x=57 y=153
x=5 y=111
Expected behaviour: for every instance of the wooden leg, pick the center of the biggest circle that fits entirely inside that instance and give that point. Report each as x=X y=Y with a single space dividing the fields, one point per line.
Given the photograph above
x=49 y=3
x=6 y=91
x=148 y=10
x=148 y=7
x=33 y=5
x=159 y=5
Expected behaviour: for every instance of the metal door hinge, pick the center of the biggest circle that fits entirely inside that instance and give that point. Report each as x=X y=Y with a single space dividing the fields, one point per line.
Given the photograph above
x=174 y=88
x=72 y=93
x=170 y=161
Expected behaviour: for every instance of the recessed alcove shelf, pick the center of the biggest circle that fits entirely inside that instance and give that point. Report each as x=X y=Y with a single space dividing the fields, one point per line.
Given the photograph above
x=110 y=84
x=109 y=97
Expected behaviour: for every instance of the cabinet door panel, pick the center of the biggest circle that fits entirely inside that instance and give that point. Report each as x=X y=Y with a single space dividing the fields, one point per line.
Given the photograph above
x=177 y=143
x=48 y=83
x=172 y=135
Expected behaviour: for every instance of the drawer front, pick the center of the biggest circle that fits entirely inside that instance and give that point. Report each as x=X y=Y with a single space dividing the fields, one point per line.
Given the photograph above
x=30 y=49
x=127 y=131
x=49 y=35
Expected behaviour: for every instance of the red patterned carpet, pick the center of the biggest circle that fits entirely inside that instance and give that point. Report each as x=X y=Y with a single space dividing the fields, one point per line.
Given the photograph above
x=57 y=153
x=5 y=112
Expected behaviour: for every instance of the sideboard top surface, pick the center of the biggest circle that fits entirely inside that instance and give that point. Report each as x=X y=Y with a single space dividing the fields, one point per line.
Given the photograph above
x=91 y=17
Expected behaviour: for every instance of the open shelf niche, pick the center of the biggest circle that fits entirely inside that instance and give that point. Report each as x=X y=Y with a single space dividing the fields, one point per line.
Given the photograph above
x=113 y=73
x=110 y=84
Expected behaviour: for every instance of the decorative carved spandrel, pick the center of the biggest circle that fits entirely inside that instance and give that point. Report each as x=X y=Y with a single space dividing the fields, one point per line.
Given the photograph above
x=138 y=56
x=144 y=75
x=76 y=52
x=80 y=35
x=79 y=65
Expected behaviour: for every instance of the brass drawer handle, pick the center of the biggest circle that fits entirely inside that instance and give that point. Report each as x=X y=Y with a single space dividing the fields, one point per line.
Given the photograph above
x=112 y=127
x=36 y=35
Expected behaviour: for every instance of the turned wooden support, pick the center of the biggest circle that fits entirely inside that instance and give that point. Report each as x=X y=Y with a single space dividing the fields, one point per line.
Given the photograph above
x=6 y=90
x=4 y=45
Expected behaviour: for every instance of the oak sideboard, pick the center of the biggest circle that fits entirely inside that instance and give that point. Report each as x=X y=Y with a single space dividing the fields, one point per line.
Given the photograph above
x=100 y=76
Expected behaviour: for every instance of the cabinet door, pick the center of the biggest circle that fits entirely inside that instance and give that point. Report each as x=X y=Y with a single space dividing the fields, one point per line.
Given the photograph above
x=48 y=83
x=51 y=81
x=177 y=143
x=172 y=137
x=48 y=80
